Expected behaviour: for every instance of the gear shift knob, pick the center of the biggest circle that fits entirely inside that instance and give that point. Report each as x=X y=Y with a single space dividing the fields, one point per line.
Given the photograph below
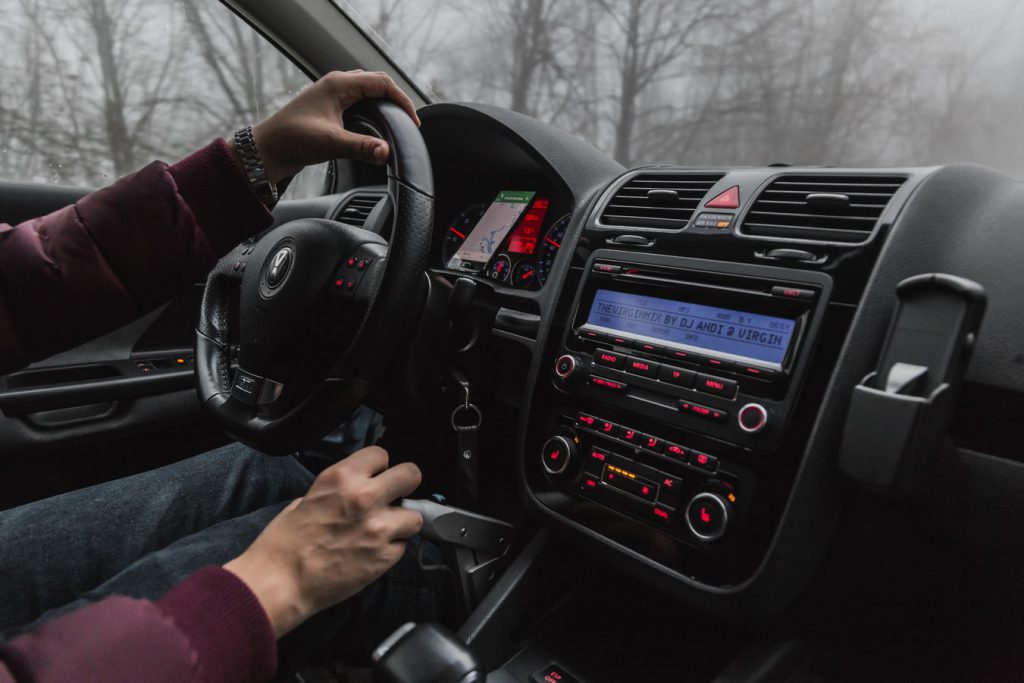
x=425 y=653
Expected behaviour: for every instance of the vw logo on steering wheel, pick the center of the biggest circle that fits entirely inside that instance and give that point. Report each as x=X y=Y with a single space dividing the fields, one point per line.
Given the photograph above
x=280 y=265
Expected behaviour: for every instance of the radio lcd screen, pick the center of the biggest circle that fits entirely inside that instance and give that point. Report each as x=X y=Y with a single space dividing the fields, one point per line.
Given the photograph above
x=693 y=327
x=490 y=231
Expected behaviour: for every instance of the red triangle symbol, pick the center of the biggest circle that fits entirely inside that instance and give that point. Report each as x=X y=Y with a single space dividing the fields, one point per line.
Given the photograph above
x=730 y=199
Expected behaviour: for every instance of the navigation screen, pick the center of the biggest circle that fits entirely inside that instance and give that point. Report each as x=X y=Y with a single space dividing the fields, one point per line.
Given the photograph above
x=490 y=231
x=694 y=327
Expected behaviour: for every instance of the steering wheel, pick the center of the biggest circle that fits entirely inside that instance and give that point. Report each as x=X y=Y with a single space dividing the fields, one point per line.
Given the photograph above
x=298 y=324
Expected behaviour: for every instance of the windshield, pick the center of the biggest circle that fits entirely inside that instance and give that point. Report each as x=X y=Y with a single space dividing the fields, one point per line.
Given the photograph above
x=845 y=82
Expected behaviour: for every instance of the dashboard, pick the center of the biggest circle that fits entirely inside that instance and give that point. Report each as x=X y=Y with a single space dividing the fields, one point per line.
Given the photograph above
x=672 y=352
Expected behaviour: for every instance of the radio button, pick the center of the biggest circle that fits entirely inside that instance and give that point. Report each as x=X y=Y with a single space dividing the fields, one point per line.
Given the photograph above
x=639 y=366
x=677 y=376
x=565 y=366
x=676 y=451
x=609 y=359
x=703 y=461
x=608 y=384
x=703 y=411
x=717 y=386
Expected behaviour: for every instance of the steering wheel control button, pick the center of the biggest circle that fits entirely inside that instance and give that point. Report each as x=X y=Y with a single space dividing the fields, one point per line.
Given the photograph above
x=703 y=461
x=752 y=418
x=707 y=516
x=608 y=384
x=610 y=359
x=555 y=454
x=246 y=387
x=677 y=376
x=565 y=366
x=717 y=386
x=707 y=412
x=639 y=366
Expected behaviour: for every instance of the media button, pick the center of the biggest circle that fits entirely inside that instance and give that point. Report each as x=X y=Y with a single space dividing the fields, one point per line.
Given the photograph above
x=677 y=376
x=717 y=386
x=609 y=359
x=639 y=366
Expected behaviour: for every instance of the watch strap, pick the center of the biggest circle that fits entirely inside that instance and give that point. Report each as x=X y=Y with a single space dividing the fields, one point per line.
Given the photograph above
x=252 y=164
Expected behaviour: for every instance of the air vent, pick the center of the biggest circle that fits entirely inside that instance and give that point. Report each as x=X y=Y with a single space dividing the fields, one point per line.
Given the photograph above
x=658 y=200
x=823 y=208
x=358 y=208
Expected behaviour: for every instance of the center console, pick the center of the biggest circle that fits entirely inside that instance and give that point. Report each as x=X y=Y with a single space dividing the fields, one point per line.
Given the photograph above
x=671 y=390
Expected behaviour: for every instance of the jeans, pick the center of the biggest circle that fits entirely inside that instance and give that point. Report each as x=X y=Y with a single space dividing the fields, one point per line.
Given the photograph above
x=141 y=535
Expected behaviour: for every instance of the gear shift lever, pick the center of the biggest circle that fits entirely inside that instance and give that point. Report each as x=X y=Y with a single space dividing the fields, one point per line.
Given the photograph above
x=425 y=653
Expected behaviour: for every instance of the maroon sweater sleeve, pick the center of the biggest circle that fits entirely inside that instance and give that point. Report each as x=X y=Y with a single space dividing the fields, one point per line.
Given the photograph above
x=98 y=264
x=209 y=628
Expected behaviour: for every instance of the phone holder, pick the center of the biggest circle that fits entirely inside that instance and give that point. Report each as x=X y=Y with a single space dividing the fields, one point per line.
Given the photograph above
x=899 y=413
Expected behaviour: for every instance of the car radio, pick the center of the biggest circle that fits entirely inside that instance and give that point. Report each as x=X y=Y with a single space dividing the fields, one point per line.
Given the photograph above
x=679 y=377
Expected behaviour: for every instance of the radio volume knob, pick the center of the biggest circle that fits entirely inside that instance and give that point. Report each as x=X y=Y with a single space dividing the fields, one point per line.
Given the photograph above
x=752 y=418
x=565 y=366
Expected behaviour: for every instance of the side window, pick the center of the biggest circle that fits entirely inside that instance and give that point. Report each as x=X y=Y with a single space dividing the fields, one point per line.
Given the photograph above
x=94 y=90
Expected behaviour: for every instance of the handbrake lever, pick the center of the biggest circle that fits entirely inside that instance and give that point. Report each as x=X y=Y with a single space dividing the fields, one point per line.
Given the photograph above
x=474 y=545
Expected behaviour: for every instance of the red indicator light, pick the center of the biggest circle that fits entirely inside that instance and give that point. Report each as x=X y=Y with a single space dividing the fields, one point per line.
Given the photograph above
x=609 y=357
x=457 y=232
x=523 y=239
x=702 y=459
x=712 y=384
x=704 y=516
x=597 y=455
x=351 y=261
x=629 y=435
x=641 y=366
x=553 y=455
x=714 y=361
x=587 y=420
x=591 y=483
x=676 y=450
x=669 y=483
x=337 y=283
x=645 y=490
x=791 y=292
x=730 y=199
x=753 y=371
x=652 y=442
x=701 y=410
x=658 y=512
x=607 y=426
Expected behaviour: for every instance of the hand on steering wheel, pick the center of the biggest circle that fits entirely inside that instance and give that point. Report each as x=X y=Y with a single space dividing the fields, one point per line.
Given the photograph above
x=319 y=308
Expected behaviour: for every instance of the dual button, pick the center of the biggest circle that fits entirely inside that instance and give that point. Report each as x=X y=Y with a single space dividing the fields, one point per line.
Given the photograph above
x=631 y=364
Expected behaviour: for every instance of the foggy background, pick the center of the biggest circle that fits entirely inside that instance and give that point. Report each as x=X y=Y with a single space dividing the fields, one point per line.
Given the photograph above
x=93 y=89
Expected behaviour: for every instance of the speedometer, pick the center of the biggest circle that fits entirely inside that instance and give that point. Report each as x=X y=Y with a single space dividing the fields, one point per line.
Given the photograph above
x=460 y=226
x=549 y=248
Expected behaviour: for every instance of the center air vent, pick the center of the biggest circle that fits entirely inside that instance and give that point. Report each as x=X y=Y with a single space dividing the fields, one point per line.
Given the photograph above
x=357 y=208
x=658 y=200
x=821 y=207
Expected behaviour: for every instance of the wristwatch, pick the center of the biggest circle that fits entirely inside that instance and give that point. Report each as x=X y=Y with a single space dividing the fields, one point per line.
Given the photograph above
x=252 y=163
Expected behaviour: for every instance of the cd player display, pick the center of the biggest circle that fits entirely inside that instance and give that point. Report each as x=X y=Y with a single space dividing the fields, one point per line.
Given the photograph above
x=692 y=326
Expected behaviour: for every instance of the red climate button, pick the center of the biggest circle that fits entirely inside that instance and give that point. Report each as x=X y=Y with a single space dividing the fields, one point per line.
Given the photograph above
x=676 y=451
x=608 y=427
x=703 y=411
x=630 y=435
x=587 y=420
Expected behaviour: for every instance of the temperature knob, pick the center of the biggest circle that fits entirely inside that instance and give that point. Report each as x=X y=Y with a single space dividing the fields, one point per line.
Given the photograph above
x=707 y=516
x=556 y=453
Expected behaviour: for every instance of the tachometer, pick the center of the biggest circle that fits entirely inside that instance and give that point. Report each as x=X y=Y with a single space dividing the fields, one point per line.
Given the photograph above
x=459 y=227
x=549 y=248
